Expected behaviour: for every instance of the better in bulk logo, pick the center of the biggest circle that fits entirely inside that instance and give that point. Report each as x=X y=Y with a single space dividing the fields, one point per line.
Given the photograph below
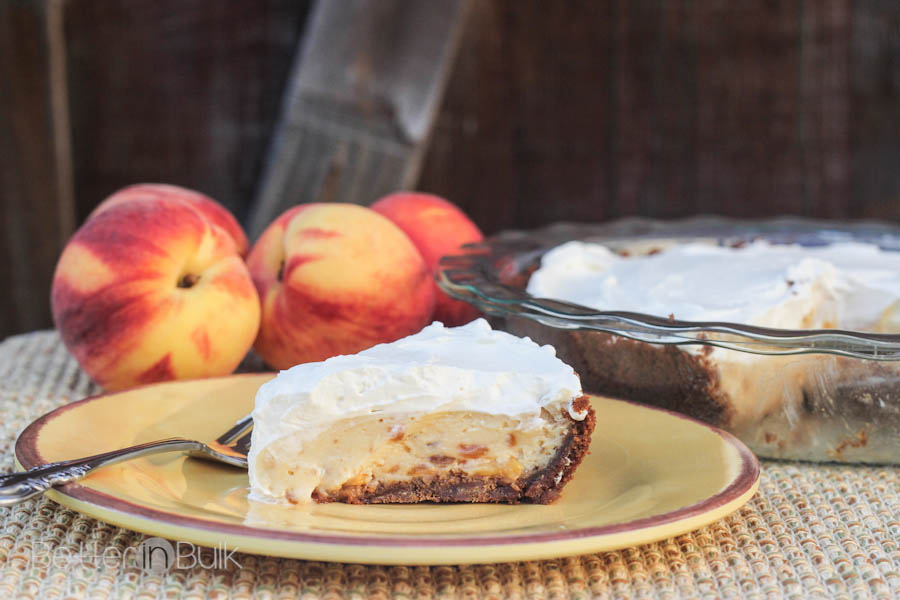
x=158 y=556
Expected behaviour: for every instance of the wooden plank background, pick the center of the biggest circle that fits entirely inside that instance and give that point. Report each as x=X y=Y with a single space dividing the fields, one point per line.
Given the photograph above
x=670 y=109
x=573 y=110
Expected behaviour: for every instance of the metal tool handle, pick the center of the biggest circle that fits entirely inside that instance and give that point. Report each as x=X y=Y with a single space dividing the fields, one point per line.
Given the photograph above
x=16 y=487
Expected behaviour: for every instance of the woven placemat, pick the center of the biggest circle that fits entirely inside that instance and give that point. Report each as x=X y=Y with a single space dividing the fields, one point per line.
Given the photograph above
x=812 y=531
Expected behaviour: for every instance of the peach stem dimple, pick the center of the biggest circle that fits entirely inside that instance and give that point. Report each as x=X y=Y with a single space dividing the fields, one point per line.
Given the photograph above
x=188 y=280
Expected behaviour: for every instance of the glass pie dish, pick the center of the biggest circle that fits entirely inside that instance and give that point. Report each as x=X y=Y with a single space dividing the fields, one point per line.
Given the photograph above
x=822 y=395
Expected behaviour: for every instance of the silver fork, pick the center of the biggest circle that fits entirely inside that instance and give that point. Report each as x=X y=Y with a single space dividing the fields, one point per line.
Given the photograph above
x=230 y=448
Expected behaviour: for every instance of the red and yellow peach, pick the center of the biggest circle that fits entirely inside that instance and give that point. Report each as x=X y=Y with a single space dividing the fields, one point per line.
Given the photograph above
x=153 y=289
x=437 y=228
x=336 y=279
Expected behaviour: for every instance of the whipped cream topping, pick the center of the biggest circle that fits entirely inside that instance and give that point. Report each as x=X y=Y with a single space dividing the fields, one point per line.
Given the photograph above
x=469 y=368
x=846 y=285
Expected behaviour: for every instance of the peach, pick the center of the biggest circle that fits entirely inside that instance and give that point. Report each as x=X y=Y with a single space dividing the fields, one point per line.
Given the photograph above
x=214 y=212
x=336 y=279
x=149 y=291
x=437 y=228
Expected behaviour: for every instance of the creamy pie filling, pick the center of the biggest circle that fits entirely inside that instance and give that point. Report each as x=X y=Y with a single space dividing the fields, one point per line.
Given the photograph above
x=371 y=451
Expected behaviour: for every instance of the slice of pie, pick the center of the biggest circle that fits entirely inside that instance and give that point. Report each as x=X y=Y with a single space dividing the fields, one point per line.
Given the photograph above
x=463 y=414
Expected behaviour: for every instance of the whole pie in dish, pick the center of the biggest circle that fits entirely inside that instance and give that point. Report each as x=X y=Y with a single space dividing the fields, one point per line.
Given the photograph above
x=801 y=406
x=464 y=414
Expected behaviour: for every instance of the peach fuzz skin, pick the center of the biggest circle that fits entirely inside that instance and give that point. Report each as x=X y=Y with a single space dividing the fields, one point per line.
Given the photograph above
x=211 y=210
x=437 y=228
x=336 y=279
x=151 y=291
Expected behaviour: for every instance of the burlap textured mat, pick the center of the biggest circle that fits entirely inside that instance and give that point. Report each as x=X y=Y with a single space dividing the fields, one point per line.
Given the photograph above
x=812 y=531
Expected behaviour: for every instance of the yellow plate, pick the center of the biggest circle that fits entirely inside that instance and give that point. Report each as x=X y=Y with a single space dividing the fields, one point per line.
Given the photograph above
x=651 y=474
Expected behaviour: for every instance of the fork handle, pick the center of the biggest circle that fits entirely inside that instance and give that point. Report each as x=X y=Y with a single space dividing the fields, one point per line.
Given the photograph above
x=16 y=487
